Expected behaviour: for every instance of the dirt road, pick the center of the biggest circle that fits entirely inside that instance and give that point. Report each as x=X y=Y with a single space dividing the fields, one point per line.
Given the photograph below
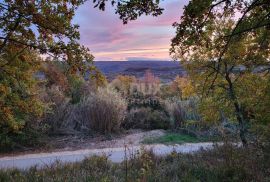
x=115 y=154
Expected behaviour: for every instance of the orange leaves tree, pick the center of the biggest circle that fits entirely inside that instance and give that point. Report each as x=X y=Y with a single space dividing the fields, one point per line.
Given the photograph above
x=45 y=26
x=29 y=29
x=19 y=103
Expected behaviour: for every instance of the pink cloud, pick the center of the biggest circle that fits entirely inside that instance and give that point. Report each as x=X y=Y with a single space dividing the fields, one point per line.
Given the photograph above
x=108 y=38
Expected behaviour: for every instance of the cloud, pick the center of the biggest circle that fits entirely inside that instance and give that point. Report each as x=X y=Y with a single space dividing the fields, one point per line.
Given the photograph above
x=107 y=37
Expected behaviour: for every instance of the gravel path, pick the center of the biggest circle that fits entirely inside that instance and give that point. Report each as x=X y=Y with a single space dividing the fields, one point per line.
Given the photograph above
x=115 y=154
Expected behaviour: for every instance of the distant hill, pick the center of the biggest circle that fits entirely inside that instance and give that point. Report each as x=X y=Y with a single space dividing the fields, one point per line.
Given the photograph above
x=165 y=70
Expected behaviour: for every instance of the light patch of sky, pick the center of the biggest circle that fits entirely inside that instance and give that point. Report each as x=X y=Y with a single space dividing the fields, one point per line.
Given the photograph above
x=109 y=39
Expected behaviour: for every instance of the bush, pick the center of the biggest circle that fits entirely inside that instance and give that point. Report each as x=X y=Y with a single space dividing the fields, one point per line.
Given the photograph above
x=103 y=111
x=76 y=83
x=80 y=88
x=57 y=108
x=146 y=118
x=181 y=111
x=138 y=101
x=123 y=84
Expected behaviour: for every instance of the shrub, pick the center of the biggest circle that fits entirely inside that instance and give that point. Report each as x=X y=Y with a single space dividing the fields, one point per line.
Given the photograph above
x=57 y=119
x=181 y=111
x=28 y=137
x=166 y=92
x=76 y=83
x=103 y=111
x=149 y=85
x=56 y=108
x=80 y=88
x=183 y=87
x=139 y=100
x=146 y=118
x=123 y=84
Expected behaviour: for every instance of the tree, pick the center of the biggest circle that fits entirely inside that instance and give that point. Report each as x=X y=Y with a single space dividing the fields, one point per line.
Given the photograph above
x=124 y=84
x=19 y=101
x=30 y=29
x=45 y=26
x=230 y=81
x=183 y=87
x=132 y=9
x=250 y=16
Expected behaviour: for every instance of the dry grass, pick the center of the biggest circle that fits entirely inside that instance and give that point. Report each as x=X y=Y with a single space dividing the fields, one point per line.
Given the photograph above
x=224 y=163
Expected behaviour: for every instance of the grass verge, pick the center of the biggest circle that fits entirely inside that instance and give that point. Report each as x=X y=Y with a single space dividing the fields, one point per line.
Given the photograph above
x=173 y=138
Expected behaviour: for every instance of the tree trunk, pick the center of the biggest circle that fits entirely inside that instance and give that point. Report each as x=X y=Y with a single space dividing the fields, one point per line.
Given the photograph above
x=240 y=114
x=242 y=123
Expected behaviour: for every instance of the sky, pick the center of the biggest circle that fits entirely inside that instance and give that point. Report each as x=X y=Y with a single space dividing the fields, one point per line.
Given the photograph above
x=147 y=38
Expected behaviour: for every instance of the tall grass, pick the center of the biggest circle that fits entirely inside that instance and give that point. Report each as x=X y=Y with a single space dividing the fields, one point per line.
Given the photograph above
x=181 y=111
x=103 y=111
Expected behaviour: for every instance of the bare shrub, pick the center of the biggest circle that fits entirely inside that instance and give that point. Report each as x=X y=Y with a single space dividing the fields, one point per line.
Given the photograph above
x=177 y=113
x=181 y=111
x=57 y=109
x=149 y=84
x=102 y=111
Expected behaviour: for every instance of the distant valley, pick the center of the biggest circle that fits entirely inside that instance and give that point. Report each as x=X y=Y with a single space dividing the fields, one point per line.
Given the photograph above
x=165 y=70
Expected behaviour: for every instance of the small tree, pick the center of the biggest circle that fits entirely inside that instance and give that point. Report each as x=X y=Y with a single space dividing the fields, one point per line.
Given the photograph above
x=124 y=84
x=183 y=87
x=149 y=84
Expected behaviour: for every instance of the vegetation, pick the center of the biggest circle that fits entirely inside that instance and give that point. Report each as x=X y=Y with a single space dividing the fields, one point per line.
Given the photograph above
x=29 y=30
x=226 y=163
x=45 y=27
x=222 y=53
x=182 y=111
x=220 y=83
x=103 y=111
x=173 y=138
x=222 y=44
x=216 y=48
x=146 y=118
x=19 y=102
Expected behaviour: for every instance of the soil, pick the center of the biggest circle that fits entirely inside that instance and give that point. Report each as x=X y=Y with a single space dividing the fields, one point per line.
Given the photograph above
x=131 y=137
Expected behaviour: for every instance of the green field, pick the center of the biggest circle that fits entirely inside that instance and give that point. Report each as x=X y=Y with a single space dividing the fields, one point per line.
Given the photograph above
x=173 y=138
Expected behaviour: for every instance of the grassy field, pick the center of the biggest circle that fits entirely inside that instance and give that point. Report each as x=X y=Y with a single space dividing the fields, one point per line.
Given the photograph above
x=173 y=138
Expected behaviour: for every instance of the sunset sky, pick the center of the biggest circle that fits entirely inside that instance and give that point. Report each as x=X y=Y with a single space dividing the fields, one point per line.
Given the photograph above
x=147 y=38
